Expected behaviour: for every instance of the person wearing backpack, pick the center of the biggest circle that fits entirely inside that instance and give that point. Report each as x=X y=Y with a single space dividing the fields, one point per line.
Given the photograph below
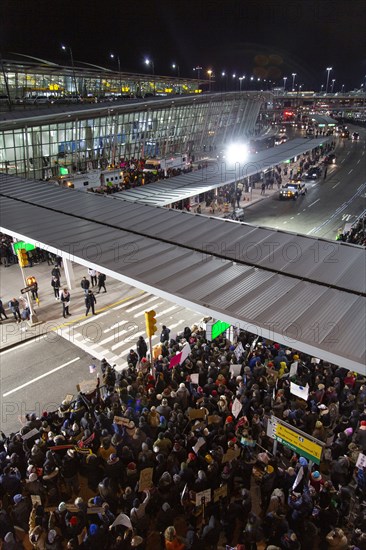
x=90 y=301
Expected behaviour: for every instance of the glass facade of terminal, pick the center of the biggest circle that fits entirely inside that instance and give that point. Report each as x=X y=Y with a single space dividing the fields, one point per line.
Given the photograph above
x=83 y=140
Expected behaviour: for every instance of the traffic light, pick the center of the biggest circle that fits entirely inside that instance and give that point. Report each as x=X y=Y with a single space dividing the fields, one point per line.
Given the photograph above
x=22 y=257
x=150 y=323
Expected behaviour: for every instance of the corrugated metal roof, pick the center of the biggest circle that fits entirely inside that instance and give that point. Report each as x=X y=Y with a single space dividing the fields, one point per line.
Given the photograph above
x=217 y=174
x=94 y=231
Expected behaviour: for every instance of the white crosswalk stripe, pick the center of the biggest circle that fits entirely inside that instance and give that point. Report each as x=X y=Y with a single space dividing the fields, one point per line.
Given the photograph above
x=112 y=333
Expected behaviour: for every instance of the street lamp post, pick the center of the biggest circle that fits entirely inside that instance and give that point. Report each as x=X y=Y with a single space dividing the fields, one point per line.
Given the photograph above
x=342 y=89
x=150 y=62
x=332 y=86
x=234 y=77
x=321 y=88
x=328 y=71
x=65 y=48
x=241 y=78
x=293 y=81
x=209 y=72
x=112 y=56
x=225 y=75
x=284 y=83
x=176 y=67
x=198 y=69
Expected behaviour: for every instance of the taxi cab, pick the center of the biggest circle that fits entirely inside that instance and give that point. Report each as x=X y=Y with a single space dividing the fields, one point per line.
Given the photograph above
x=292 y=190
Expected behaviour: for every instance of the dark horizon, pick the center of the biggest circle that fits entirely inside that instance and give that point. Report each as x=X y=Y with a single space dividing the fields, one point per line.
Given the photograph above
x=266 y=39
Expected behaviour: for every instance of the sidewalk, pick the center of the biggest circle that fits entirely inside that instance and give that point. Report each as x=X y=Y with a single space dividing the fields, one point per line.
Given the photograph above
x=49 y=310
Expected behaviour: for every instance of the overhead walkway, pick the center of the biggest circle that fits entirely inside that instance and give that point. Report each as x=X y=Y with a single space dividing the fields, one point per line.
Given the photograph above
x=217 y=174
x=304 y=292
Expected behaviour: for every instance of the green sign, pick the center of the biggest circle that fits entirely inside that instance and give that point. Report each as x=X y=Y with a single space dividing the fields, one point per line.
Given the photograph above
x=296 y=440
x=21 y=244
x=218 y=328
x=63 y=171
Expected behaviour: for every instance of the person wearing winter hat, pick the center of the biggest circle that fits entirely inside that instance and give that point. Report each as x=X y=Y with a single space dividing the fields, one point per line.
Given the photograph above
x=316 y=480
x=360 y=437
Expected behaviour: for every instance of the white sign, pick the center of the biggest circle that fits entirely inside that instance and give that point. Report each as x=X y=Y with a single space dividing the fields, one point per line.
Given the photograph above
x=361 y=461
x=198 y=445
x=239 y=350
x=300 y=391
x=194 y=378
x=235 y=370
x=203 y=495
x=293 y=368
x=236 y=408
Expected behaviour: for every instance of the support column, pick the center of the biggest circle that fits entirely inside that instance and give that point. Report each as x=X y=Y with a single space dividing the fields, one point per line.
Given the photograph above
x=69 y=273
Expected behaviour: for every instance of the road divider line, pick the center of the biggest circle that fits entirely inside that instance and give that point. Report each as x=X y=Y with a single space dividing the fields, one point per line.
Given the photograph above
x=334 y=186
x=312 y=204
x=41 y=376
x=350 y=170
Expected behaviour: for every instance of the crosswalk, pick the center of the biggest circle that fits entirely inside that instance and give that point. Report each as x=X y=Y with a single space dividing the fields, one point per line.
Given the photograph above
x=114 y=332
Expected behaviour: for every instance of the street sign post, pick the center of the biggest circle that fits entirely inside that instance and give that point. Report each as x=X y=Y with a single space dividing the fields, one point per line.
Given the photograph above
x=296 y=440
x=28 y=289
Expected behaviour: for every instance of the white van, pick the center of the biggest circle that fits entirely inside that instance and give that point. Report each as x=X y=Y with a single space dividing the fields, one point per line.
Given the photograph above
x=154 y=165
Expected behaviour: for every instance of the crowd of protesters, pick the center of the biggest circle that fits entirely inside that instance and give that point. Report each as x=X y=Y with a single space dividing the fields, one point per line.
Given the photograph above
x=356 y=234
x=196 y=425
x=133 y=175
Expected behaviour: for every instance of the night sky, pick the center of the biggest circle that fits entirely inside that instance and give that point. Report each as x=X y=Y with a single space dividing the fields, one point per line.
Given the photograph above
x=252 y=37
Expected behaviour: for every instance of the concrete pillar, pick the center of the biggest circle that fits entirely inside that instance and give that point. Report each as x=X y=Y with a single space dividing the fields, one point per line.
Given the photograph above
x=69 y=273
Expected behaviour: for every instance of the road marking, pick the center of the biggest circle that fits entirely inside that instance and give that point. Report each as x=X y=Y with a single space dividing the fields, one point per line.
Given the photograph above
x=152 y=299
x=141 y=313
x=41 y=376
x=292 y=218
x=334 y=186
x=103 y=311
x=342 y=161
x=358 y=162
x=350 y=170
x=298 y=214
x=313 y=185
x=311 y=230
x=317 y=200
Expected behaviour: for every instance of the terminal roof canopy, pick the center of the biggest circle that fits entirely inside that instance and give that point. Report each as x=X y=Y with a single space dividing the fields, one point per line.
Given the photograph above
x=309 y=305
x=217 y=174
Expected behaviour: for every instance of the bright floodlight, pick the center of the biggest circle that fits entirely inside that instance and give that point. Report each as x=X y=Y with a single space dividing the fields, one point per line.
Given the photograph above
x=237 y=152
x=147 y=61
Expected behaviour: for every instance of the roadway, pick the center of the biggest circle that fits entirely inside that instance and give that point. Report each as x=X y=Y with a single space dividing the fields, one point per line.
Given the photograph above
x=328 y=204
x=49 y=367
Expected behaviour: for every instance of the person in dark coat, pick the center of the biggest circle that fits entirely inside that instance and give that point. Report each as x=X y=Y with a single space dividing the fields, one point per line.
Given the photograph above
x=101 y=282
x=90 y=301
x=141 y=347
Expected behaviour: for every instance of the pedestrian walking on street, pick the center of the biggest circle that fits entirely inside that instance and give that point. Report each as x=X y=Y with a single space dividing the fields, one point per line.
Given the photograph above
x=141 y=347
x=93 y=276
x=55 y=283
x=90 y=301
x=65 y=299
x=263 y=188
x=85 y=284
x=34 y=290
x=56 y=272
x=101 y=282
x=2 y=311
x=164 y=336
x=325 y=172
x=14 y=308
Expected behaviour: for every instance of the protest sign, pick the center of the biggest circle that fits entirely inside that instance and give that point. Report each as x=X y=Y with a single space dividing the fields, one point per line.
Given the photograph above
x=146 y=479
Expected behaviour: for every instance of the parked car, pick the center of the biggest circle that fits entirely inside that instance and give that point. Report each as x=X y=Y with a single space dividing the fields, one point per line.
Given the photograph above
x=355 y=136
